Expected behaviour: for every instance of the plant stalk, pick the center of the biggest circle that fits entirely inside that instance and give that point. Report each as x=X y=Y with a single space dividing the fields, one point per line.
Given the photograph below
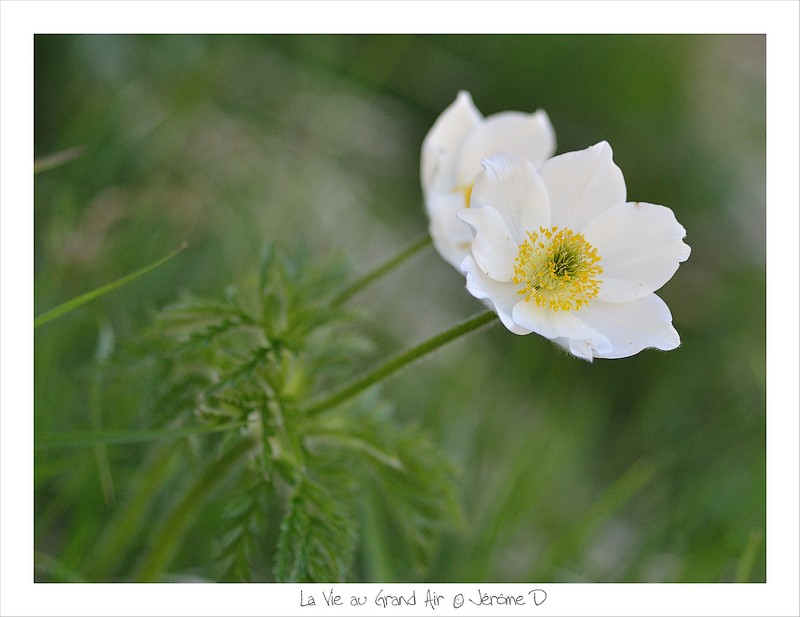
x=378 y=272
x=400 y=361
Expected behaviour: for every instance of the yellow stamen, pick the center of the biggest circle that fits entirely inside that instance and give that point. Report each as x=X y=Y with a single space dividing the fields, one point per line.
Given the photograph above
x=557 y=269
x=466 y=191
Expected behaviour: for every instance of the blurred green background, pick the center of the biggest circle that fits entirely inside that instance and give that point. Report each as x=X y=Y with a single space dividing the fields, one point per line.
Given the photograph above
x=650 y=468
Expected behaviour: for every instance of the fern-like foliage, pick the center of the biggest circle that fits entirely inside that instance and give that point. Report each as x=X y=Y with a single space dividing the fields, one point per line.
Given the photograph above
x=242 y=532
x=318 y=535
x=413 y=480
x=254 y=359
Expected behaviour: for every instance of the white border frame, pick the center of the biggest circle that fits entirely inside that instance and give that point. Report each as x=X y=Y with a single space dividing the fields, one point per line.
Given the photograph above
x=20 y=20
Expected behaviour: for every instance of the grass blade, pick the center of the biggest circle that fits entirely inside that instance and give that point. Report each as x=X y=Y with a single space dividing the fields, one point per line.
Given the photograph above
x=617 y=495
x=59 y=158
x=91 y=438
x=168 y=536
x=71 y=305
x=744 y=570
x=116 y=542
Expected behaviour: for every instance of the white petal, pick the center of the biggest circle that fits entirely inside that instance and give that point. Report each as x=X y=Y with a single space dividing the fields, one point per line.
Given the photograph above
x=493 y=248
x=530 y=136
x=582 y=184
x=500 y=296
x=562 y=326
x=632 y=326
x=512 y=186
x=442 y=145
x=580 y=348
x=451 y=236
x=640 y=247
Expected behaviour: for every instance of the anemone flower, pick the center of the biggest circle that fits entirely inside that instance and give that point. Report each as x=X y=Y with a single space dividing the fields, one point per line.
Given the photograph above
x=560 y=252
x=451 y=157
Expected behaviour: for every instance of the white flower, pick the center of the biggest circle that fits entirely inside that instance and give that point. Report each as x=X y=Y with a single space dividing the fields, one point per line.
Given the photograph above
x=451 y=157
x=559 y=252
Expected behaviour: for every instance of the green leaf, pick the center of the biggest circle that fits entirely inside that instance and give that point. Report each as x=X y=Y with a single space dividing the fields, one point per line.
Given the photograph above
x=265 y=264
x=317 y=537
x=190 y=310
x=71 y=305
x=241 y=538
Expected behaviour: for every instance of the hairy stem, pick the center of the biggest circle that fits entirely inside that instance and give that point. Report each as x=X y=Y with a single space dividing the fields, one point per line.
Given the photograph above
x=378 y=272
x=400 y=361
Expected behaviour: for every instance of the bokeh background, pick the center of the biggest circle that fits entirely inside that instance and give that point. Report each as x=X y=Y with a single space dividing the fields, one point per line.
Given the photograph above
x=650 y=468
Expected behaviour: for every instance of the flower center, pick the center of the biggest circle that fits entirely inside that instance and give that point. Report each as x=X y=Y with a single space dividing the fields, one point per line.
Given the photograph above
x=557 y=269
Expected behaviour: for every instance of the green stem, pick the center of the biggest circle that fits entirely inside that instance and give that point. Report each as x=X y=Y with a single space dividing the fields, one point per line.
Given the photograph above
x=171 y=531
x=378 y=272
x=400 y=361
